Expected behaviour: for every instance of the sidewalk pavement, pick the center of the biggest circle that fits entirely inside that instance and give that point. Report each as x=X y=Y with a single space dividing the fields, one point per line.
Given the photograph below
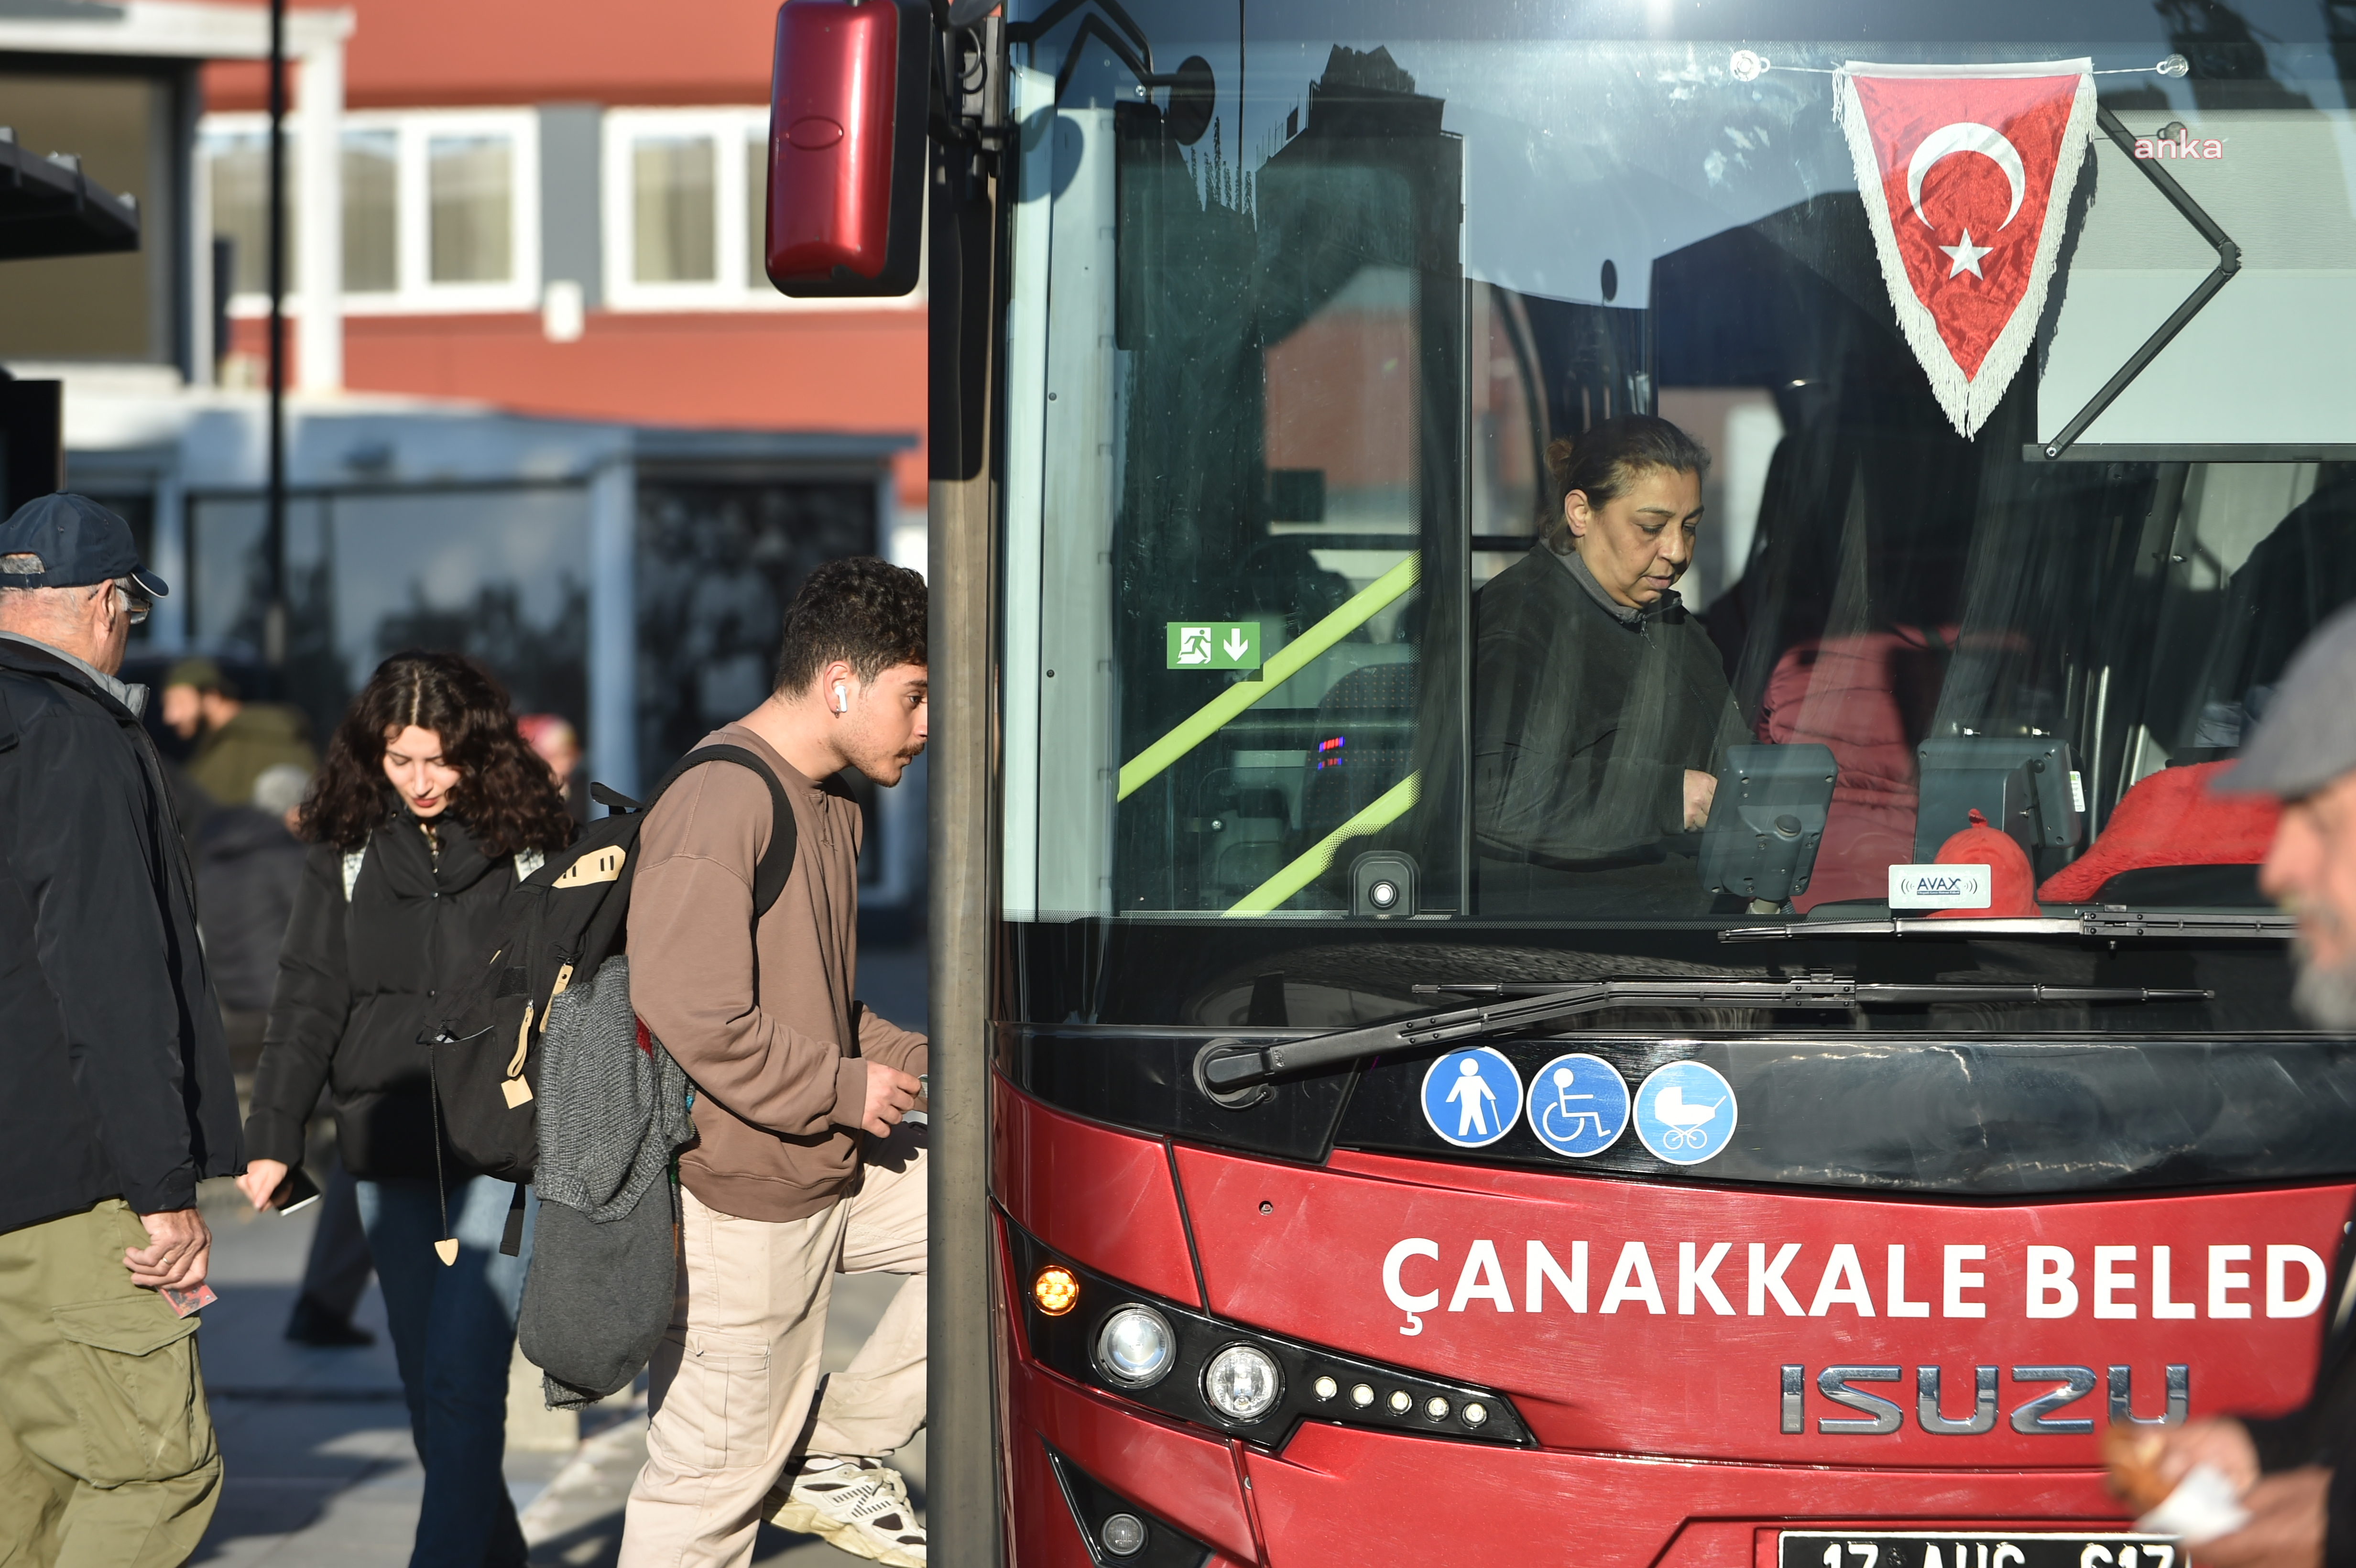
x=320 y=1472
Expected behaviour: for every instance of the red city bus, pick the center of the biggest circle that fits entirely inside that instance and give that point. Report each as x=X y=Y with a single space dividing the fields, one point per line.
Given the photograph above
x=1452 y=1047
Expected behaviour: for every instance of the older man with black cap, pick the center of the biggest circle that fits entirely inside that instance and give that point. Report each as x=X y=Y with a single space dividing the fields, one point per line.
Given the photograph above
x=2296 y=1474
x=119 y=1098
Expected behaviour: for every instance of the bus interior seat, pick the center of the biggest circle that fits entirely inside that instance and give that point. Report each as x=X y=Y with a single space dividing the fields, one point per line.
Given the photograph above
x=2138 y=856
x=1870 y=697
x=1362 y=745
x=1246 y=821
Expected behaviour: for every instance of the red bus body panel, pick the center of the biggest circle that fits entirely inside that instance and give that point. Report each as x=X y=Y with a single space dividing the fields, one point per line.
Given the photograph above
x=830 y=126
x=1099 y=1196
x=1661 y=1426
x=1688 y=1381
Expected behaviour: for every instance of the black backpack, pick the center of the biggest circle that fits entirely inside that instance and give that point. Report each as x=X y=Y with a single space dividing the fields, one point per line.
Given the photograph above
x=561 y=923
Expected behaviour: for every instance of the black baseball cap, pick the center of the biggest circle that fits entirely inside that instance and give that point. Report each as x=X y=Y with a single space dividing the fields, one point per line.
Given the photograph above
x=69 y=541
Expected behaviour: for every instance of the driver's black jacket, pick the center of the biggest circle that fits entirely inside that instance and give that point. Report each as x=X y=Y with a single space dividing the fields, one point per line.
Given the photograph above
x=1585 y=716
x=117 y=1080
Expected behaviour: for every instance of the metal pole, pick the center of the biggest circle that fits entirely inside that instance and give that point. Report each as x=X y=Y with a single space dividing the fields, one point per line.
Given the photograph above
x=968 y=1323
x=274 y=626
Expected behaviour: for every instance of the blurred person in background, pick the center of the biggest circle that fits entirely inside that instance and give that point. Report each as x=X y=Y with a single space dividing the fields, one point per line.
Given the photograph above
x=553 y=739
x=236 y=740
x=249 y=864
x=428 y=812
x=120 y=1097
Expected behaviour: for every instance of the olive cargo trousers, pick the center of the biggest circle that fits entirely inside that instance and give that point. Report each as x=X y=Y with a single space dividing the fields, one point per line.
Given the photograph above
x=107 y=1457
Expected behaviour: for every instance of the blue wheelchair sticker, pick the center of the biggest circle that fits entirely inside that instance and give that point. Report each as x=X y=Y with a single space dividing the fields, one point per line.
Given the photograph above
x=1579 y=1106
x=1472 y=1097
x=1685 y=1113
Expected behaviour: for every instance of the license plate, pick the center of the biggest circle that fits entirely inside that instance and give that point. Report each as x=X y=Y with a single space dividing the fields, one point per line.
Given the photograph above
x=1973 y=1549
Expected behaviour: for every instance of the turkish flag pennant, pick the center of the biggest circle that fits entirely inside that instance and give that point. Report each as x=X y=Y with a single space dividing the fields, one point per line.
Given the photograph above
x=1966 y=173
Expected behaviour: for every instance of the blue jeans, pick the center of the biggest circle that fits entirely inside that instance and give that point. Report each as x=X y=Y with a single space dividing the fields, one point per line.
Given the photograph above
x=453 y=1333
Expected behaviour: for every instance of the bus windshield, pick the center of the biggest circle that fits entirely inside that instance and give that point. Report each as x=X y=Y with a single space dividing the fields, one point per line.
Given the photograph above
x=2028 y=458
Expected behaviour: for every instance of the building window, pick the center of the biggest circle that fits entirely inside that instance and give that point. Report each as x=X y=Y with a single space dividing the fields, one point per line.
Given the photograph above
x=674 y=215
x=685 y=198
x=371 y=211
x=441 y=208
x=470 y=182
x=237 y=163
x=756 y=208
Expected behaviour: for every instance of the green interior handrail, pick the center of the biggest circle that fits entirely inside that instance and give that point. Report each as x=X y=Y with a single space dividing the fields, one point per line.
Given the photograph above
x=1288 y=662
x=1380 y=811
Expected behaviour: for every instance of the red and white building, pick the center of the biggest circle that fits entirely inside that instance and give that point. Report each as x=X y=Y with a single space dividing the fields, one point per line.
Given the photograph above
x=545 y=406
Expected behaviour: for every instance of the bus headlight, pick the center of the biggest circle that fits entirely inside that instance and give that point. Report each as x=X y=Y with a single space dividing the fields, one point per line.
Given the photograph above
x=1242 y=1383
x=1135 y=1346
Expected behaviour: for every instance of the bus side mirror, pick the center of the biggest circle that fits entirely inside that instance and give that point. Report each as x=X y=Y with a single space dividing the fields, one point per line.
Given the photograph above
x=847 y=100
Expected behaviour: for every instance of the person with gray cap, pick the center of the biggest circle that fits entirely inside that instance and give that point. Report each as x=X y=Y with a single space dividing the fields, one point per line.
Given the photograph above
x=119 y=1096
x=2291 y=1475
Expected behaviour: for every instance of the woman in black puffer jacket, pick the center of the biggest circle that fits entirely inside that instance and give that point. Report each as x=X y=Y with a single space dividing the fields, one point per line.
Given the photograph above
x=428 y=812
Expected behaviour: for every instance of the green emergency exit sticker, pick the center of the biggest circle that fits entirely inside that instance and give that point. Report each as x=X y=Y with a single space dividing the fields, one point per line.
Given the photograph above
x=1213 y=644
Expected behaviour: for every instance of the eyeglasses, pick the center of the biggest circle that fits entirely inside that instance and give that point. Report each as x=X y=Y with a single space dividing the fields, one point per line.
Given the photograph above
x=135 y=603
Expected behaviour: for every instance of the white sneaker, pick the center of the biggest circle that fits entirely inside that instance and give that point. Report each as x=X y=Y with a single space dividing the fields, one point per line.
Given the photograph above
x=860 y=1506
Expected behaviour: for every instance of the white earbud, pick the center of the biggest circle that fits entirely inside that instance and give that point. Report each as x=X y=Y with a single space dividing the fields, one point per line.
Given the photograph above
x=841 y=703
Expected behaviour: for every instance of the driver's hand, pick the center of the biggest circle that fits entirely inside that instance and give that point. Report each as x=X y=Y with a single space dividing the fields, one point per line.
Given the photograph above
x=1700 y=790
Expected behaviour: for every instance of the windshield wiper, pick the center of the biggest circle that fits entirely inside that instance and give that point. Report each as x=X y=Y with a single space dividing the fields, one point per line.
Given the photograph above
x=1226 y=1067
x=2114 y=924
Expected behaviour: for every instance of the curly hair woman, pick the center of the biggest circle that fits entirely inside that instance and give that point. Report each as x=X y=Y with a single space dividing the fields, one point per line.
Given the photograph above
x=428 y=812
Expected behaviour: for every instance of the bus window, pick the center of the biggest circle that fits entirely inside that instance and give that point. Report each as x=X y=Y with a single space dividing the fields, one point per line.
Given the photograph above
x=1290 y=592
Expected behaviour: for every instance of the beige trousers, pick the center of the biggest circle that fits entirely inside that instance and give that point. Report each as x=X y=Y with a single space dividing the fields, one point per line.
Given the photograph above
x=733 y=1388
x=107 y=1457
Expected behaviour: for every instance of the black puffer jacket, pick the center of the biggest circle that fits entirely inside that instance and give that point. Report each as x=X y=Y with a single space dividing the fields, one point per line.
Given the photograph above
x=248 y=867
x=356 y=981
x=116 y=1078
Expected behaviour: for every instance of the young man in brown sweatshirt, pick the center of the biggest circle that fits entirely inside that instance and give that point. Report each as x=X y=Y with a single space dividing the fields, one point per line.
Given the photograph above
x=802 y=1168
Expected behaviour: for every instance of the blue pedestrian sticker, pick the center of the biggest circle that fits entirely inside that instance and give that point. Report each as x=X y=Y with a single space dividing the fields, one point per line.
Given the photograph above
x=1578 y=1104
x=1472 y=1097
x=1685 y=1113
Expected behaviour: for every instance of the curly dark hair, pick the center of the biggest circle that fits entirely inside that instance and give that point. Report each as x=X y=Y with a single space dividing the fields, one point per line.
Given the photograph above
x=865 y=612
x=505 y=794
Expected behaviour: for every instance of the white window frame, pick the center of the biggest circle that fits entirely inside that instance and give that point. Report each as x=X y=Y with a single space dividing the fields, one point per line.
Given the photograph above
x=417 y=128
x=414 y=292
x=735 y=287
x=729 y=128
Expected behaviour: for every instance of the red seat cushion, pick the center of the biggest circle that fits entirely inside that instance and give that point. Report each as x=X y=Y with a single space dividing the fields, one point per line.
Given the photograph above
x=2171 y=819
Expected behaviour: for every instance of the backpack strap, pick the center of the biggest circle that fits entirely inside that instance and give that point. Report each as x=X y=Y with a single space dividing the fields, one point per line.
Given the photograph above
x=776 y=866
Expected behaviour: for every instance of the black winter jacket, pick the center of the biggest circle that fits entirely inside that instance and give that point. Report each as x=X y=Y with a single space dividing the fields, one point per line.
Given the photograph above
x=248 y=867
x=357 y=980
x=118 y=1081
x=1585 y=718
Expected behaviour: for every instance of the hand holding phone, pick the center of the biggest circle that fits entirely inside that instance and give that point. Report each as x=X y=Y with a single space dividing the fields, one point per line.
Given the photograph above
x=297 y=1191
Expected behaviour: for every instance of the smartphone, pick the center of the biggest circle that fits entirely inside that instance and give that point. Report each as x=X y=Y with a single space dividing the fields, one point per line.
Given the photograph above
x=299 y=1190
x=921 y=1118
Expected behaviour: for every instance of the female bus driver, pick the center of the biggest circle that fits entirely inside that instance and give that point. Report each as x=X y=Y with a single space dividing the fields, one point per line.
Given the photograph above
x=1599 y=702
